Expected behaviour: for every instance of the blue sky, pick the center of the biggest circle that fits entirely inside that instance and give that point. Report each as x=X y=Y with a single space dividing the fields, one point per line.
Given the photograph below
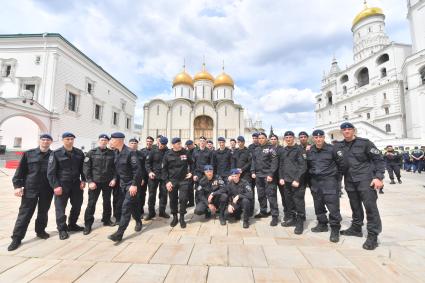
x=275 y=50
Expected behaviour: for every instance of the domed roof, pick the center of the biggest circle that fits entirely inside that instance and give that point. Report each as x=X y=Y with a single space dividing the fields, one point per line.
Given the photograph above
x=367 y=12
x=203 y=75
x=224 y=80
x=183 y=78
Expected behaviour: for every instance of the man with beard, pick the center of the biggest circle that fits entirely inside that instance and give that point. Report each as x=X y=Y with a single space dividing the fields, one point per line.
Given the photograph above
x=263 y=167
x=66 y=177
x=99 y=170
x=176 y=171
x=31 y=185
x=153 y=168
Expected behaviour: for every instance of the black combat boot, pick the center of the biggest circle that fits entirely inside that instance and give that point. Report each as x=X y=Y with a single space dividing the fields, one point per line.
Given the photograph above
x=43 y=235
x=182 y=222
x=371 y=242
x=299 y=226
x=108 y=222
x=163 y=214
x=75 y=228
x=334 y=237
x=14 y=245
x=352 y=231
x=63 y=235
x=245 y=224
x=381 y=190
x=208 y=214
x=116 y=237
x=320 y=227
x=392 y=182
x=174 y=221
x=150 y=216
x=289 y=223
x=87 y=230
x=138 y=226
x=222 y=218
x=399 y=181
x=274 y=221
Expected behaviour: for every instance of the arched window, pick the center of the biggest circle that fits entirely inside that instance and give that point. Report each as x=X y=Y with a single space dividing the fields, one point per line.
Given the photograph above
x=363 y=77
x=422 y=73
x=388 y=128
x=383 y=72
x=382 y=59
x=329 y=96
x=344 y=79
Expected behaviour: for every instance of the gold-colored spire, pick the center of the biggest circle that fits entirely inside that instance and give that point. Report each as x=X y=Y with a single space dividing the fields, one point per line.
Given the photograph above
x=183 y=77
x=204 y=74
x=223 y=79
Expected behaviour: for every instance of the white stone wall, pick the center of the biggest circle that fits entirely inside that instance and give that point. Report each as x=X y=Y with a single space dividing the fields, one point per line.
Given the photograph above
x=416 y=16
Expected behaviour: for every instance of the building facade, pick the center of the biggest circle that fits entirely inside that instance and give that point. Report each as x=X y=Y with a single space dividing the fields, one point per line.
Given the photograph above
x=383 y=91
x=47 y=85
x=201 y=106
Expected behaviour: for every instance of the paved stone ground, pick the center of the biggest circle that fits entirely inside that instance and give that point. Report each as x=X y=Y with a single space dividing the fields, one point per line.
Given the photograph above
x=208 y=252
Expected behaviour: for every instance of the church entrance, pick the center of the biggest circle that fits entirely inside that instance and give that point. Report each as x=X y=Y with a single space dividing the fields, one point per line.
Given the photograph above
x=203 y=126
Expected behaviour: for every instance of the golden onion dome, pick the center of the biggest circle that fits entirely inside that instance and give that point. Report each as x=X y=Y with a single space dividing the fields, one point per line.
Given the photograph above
x=367 y=12
x=224 y=80
x=183 y=78
x=203 y=75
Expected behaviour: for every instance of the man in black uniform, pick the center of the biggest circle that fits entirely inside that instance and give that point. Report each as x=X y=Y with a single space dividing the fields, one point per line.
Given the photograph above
x=31 y=185
x=144 y=186
x=364 y=170
x=324 y=164
x=201 y=156
x=210 y=145
x=153 y=168
x=211 y=195
x=393 y=161
x=251 y=148
x=128 y=170
x=232 y=145
x=64 y=172
x=190 y=147
x=240 y=196
x=263 y=167
x=99 y=170
x=222 y=160
x=176 y=171
x=242 y=160
x=292 y=167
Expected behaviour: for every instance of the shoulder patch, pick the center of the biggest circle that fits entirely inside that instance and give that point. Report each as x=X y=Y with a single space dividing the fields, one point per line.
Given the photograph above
x=304 y=156
x=86 y=159
x=374 y=150
x=51 y=158
x=248 y=188
x=339 y=153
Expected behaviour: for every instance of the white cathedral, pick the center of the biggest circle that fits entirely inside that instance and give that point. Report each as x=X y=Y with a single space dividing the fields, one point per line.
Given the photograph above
x=383 y=92
x=202 y=106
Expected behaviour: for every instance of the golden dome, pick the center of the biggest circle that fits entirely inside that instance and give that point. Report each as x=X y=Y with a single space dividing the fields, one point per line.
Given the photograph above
x=224 y=79
x=183 y=78
x=367 y=12
x=203 y=75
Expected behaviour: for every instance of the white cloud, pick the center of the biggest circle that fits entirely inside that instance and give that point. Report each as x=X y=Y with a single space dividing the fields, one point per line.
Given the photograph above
x=288 y=100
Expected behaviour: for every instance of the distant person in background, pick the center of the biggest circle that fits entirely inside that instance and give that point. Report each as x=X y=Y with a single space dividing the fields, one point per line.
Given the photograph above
x=417 y=157
x=393 y=161
x=407 y=165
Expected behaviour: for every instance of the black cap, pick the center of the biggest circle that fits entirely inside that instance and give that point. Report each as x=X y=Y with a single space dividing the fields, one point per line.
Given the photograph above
x=318 y=133
x=175 y=140
x=133 y=140
x=302 y=133
x=46 y=136
x=289 y=133
x=117 y=135
x=221 y=139
x=103 y=136
x=68 y=135
x=346 y=125
x=189 y=142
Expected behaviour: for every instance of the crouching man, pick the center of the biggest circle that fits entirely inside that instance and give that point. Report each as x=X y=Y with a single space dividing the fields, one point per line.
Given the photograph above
x=240 y=198
x=210 y=195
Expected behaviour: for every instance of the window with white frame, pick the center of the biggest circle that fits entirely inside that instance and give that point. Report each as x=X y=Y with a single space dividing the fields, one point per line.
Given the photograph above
x=90 y=85
x=8 y=68
x=115 y=118
x=98 y=109
x=128 y=123
x=72 y=102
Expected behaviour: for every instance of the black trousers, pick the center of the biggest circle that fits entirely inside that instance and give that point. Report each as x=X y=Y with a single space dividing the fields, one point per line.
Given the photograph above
x=130 y=207
x=267 y=192
x=329 y=201
x=219 y=201
x=70 y=191
x=26 y=211
x=295 y=200
x=91 y=205
x=178 y=197
x=360 y=194
x=242 y=207
x=163 y=195
x=118 y=199
x=141 y=190
x=252 y=181
x=286 y=214
x=393 y=169
x=191 y=192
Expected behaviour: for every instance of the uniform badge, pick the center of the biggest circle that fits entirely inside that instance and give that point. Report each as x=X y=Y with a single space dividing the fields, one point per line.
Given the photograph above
x=199 y=188
x=221 y=182
x=183 y=157
x=375 y=151
x=248 y=188
x=86 y=159
x=339 y=153
x=304 y=156
x=215 y=183
x=51 y=158
x=266 y=150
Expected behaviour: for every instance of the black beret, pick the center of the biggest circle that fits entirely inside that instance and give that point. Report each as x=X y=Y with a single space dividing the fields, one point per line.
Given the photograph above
x=103 y=136
x=262 y=134
x=133 y=140
x=255 y=135
x=175 y=140
x=221 y=139
x=208 y=168
x=303 y=133
x=241 y=139
x=346 y=125
x=189 y=142
x=46 y=136
x=235 y=171
x=210 y=141
x=232 y=139
x=318 y=133
x=68 y=135
x=202 y=138
x=274 y=136
x=150 y=138
x=163 y=140
x=117 y=135
x=289 y=133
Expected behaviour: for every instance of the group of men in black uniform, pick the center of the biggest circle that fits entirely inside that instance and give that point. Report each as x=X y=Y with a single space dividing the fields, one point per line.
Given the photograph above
x=219 y=182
